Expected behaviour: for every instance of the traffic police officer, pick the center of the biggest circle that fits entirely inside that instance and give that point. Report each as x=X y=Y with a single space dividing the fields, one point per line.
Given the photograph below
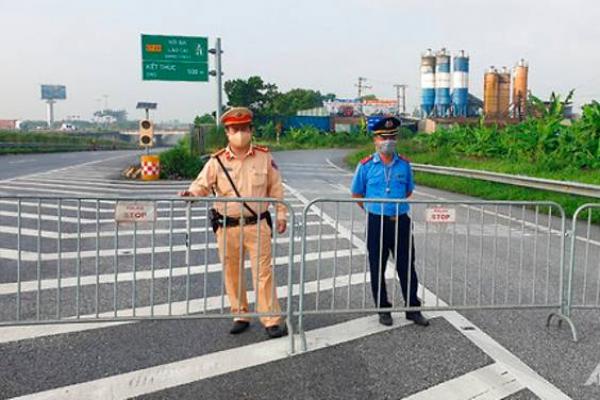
x=254 y=174
x=387 y=175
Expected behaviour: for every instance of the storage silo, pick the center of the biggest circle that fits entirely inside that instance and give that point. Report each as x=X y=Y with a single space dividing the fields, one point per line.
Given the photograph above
x=503 y=92
x=490 y=93
x=427 y=83
x=460 y=84
x=442 y=83
x=519 y=99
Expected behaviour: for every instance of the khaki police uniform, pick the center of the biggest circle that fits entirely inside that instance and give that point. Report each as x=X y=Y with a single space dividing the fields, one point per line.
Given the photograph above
x=256 y=175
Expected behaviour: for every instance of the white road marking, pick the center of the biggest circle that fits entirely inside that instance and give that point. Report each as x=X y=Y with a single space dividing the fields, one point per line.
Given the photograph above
x=62 y=169
x=90 y=221
x=492 y=382
x=10 y=254
x=148 y=380
x=169 y=375
x=196 y=305
x=107 y=233
x=342 y=170
x=495 y=350
x=146 y=274
x=594 y=378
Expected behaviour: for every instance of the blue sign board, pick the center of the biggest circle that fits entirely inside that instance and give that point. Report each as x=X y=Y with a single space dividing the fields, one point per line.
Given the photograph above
x=54 y=92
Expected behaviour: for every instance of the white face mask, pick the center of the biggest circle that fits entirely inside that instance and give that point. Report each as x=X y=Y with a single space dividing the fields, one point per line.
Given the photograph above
x=386 y=147
x=240 y=139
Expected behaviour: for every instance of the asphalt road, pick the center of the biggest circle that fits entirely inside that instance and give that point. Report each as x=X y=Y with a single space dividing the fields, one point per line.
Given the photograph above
x=16 y=165
x=503 y=256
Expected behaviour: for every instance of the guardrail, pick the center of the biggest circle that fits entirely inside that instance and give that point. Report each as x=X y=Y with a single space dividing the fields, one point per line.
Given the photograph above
x=577 y=188
x=67 y=146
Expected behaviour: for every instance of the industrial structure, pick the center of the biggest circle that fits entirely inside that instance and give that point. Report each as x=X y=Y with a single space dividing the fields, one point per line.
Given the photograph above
x=427 y=83
x=460 y=85
x=520 y=74
x=444 y=93
x=497 y=92
x=442 y=83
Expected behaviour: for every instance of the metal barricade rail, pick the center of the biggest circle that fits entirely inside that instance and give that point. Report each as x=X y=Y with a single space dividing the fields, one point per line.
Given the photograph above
x=469 y=255
x=82 y=259
x=584 y=261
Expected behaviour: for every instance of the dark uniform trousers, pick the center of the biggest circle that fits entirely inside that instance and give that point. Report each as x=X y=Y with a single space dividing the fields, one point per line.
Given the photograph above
x=384 y=244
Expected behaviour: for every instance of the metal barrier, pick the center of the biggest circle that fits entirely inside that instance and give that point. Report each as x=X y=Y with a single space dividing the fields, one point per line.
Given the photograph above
x=469 y=255
x=584 y=271
x=68 y=260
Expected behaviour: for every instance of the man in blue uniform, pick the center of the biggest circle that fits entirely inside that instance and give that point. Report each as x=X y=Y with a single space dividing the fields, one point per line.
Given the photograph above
x=387 y=175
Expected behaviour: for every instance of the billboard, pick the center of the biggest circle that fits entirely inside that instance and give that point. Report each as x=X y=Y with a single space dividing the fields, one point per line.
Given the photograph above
x=54 y=92
x=379 y=107
x=353 y=108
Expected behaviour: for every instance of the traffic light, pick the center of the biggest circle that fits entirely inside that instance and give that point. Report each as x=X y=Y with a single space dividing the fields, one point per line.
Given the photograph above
x=146 y=133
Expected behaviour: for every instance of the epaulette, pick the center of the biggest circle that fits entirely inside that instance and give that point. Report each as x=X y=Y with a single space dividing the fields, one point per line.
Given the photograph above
x=366 y=159
x=264 y=149
x=403 y=158
x=218 y=152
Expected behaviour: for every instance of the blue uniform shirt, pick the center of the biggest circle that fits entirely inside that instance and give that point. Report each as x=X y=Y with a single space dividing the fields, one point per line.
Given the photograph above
x=370 y=181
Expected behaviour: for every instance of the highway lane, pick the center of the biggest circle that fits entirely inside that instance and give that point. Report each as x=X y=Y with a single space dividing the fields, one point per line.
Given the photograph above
x=117 y=350
x=18 y=165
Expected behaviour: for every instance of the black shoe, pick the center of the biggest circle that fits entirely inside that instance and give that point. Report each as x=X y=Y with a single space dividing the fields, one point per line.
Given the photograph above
x=276 y=331
x=239 y=327
x=418 y=319
x=386 y=319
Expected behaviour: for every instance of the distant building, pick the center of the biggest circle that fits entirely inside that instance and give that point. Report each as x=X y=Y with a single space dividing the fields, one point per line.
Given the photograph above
x=314 y=112
x=9 y=124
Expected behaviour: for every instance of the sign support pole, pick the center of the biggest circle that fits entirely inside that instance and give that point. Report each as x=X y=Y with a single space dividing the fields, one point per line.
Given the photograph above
x=219 y=80
x=148 y=118
x=50 y=113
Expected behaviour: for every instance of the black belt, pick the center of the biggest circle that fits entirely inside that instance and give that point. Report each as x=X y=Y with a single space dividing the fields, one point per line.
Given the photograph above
x=389 y=217
x=236 y=221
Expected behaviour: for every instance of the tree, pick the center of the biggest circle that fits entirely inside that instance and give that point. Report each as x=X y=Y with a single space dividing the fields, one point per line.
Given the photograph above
x=265 y=100
x=253 y=93
x=291 y=102
x=328 y=97
x=204 y=119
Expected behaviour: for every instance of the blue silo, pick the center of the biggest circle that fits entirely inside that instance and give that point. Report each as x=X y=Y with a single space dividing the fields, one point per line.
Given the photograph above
x=460 y=84
x=427 y=83
x=442 y=83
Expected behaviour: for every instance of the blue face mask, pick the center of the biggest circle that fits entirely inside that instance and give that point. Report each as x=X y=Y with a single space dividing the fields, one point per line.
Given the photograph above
x=386 y=147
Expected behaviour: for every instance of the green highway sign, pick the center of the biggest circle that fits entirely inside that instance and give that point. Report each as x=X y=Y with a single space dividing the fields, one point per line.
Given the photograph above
x=174 y=58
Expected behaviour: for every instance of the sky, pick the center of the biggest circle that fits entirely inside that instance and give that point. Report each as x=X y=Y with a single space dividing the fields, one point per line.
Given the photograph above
x=93 y=47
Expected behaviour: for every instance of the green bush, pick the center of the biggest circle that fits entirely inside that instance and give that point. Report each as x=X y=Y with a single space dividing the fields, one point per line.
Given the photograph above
x=179 y=163
x=310 y=137
x=545 y=140
x=266 y=131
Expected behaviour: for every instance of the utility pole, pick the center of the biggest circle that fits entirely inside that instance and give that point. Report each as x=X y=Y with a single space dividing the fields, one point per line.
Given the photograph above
x=218 y=73
x=401 y=88
x=361 y=86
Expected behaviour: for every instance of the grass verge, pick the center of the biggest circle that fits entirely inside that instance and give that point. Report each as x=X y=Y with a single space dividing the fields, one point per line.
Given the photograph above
x=483 y=189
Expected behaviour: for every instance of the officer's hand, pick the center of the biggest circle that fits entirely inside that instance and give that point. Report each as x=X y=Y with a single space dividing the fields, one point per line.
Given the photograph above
x=281 y=225
x=185 y=193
